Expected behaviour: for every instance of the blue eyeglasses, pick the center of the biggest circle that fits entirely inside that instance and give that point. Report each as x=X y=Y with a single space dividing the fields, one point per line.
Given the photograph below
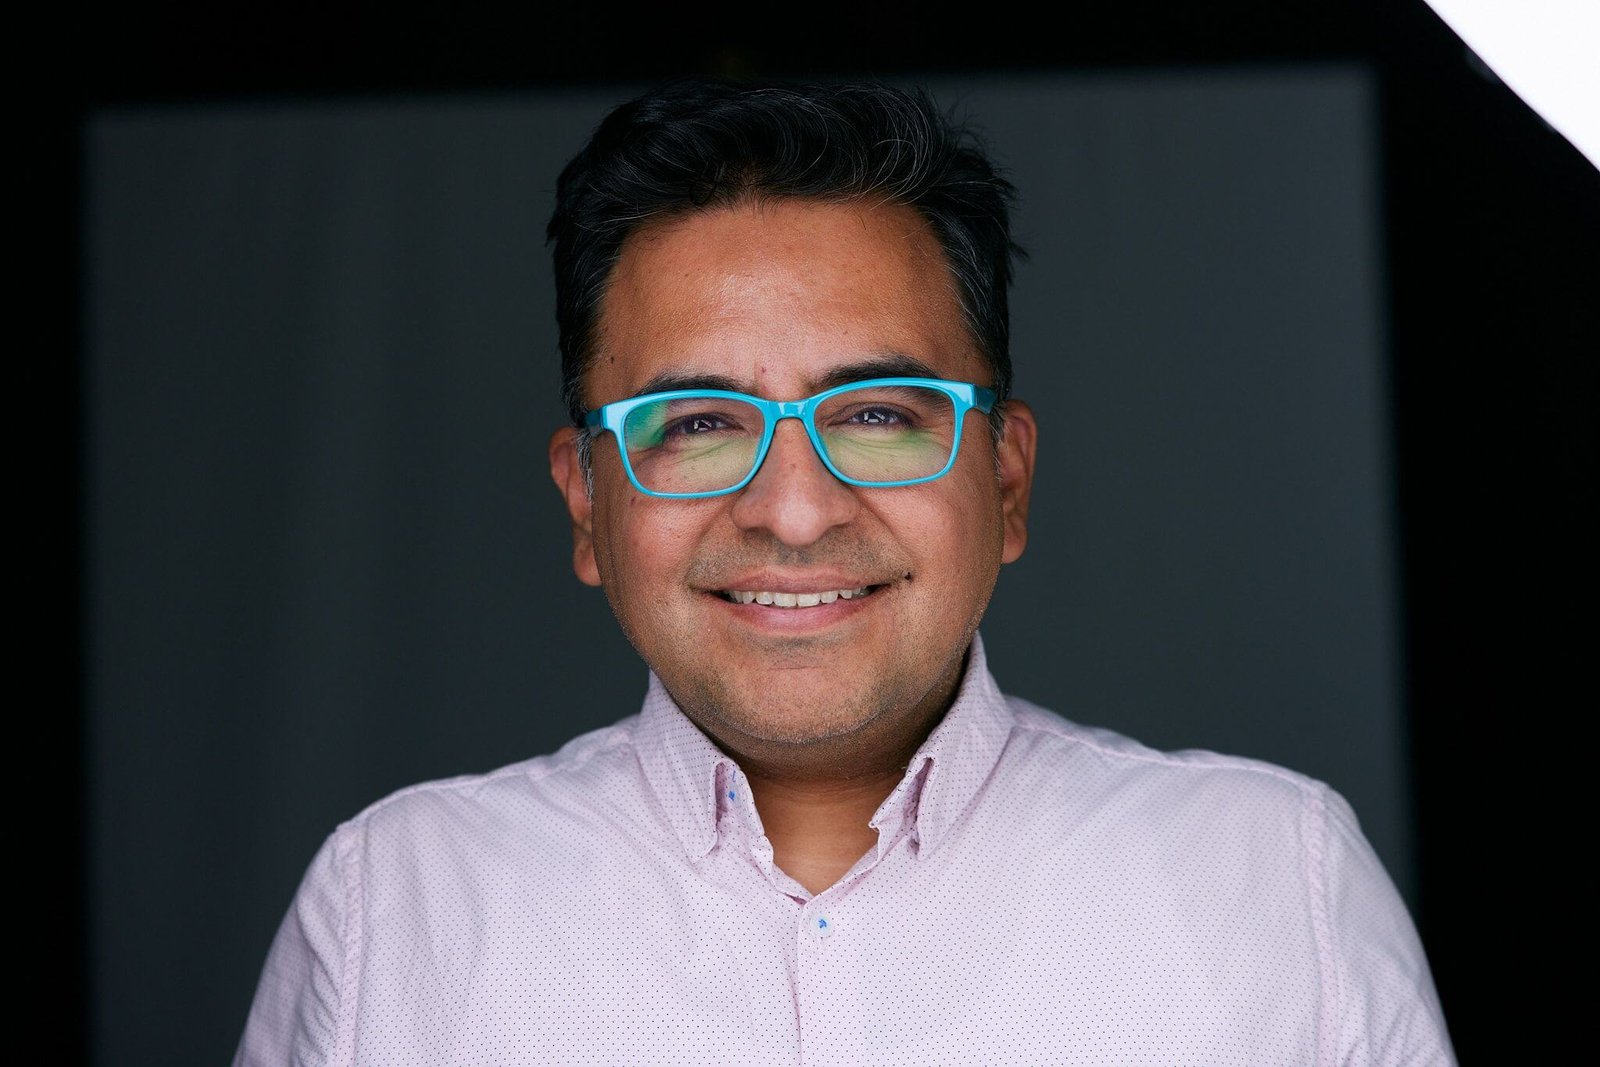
x=691 y=443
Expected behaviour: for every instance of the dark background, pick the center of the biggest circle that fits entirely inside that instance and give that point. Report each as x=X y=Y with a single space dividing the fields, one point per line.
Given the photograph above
x=326 y=561
x=1486 y=275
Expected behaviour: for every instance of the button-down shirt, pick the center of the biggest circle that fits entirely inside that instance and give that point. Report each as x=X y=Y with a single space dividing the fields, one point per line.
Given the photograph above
x=1040 y=893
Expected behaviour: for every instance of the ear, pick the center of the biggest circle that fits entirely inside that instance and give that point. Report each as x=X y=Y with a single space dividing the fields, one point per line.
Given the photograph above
x=569 y=479
x=1016 y=450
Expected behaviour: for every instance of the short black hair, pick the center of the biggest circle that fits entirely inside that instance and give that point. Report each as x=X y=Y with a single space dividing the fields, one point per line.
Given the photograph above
x=693 y=145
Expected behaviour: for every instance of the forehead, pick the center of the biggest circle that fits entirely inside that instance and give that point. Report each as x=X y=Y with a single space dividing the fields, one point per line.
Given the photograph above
x=772 y=295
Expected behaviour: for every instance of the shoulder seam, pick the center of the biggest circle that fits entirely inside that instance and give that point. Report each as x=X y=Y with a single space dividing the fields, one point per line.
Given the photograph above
x=1314 y=827
x=348 y=856
x=620 y=736
x=1218 y=761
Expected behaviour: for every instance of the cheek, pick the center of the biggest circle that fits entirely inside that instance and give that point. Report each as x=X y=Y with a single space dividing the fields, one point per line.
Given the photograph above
x=955 y=535
x=976 y=525
x=641 y=544
x=636 y=552
x=617 y=538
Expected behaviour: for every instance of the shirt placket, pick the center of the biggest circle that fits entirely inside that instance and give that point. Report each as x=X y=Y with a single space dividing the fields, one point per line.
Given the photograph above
x=829 y=960
x=827 y=956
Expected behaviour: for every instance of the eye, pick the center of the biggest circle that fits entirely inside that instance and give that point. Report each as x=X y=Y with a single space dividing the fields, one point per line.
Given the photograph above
x=695 y=425
x=878 y=415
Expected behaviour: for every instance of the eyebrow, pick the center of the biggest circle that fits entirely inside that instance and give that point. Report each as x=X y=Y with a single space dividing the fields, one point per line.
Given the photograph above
x=668 y=381
x=887 y=365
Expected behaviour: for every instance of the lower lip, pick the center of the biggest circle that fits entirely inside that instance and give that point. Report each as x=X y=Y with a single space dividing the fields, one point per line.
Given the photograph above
x=797 y=620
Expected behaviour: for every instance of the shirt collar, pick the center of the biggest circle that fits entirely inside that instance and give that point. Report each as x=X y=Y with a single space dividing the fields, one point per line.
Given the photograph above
x=695 y=781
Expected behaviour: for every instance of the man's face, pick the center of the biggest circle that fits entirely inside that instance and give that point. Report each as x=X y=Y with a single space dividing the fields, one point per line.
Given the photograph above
x=772 y=297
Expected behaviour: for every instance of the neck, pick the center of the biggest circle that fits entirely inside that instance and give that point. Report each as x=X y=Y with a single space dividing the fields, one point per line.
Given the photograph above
x=818 y=829
x=816 y=813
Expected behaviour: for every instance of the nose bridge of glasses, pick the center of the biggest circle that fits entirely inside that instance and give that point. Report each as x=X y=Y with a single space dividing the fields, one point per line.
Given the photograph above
x=779 y=410
x=788 y=409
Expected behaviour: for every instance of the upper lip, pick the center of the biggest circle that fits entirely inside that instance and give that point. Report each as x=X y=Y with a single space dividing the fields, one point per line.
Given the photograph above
x=791 y=583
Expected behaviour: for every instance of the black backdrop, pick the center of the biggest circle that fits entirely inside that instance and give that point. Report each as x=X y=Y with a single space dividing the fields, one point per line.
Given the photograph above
x=1489 y=236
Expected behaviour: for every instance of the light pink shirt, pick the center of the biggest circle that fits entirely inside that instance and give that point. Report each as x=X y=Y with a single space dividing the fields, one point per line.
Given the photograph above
x=1040 y=893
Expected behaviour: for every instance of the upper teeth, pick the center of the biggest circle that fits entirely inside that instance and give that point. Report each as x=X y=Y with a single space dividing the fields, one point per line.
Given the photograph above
x=792 y=600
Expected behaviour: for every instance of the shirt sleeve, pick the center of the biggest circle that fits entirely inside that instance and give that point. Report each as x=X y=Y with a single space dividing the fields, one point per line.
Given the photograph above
x=1387 y=1010
x=296 y=1015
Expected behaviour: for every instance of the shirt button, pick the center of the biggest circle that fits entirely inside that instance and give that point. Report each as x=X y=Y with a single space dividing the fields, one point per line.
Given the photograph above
x=824 y=926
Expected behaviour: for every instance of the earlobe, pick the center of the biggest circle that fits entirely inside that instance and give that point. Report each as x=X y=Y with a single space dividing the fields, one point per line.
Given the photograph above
x=568 y=474
x=1017 y=448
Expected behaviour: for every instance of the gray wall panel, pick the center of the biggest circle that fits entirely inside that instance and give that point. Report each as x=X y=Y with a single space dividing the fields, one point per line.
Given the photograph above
x=325 y=559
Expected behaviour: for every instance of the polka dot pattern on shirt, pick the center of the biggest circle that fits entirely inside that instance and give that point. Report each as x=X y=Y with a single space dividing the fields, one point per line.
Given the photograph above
x=1040 y=892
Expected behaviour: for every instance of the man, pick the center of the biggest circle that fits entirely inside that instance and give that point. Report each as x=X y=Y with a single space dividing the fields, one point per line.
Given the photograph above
x=795 y=470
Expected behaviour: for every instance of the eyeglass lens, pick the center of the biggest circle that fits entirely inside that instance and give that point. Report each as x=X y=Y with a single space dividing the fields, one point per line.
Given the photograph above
x=705 y=444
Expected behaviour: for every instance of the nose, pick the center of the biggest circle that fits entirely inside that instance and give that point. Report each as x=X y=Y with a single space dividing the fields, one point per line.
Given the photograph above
x=793 y=496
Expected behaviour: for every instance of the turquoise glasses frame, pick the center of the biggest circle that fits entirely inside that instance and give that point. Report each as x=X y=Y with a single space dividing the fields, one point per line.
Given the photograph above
x=963 y=395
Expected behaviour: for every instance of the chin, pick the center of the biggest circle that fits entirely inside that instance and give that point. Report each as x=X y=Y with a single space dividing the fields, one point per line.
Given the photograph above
x=777 y=714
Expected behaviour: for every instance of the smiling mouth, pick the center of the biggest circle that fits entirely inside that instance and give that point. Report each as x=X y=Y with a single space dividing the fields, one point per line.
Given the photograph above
x=795 y=600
